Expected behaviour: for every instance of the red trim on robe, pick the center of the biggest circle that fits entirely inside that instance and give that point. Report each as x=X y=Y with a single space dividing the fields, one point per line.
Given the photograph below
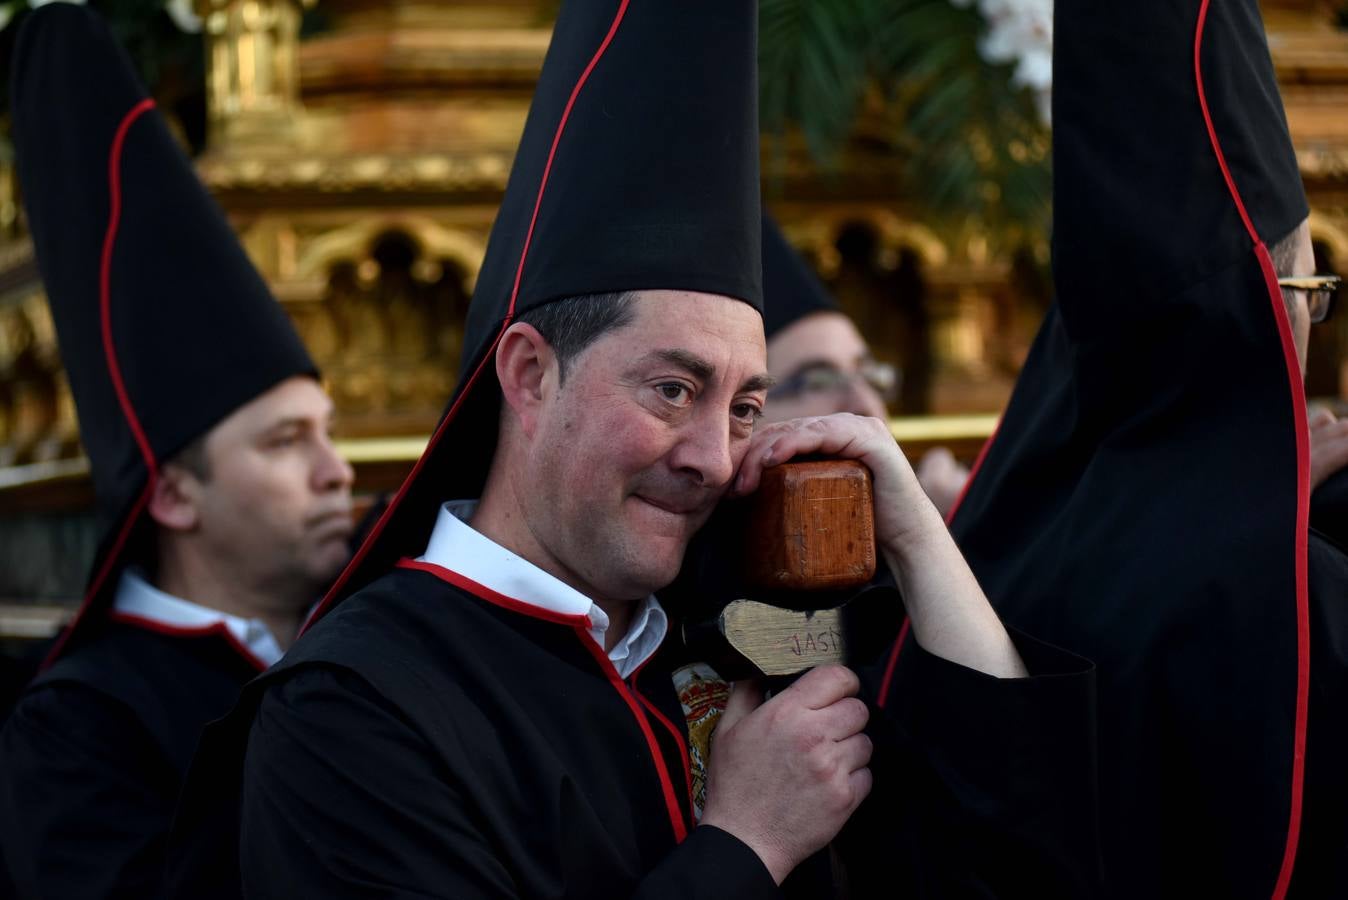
x=675 y=731
x=973 y=473
x=882 y=697
x=217 y=628
x=115 y=374
x=1298 y=398
x=581 y=626
x=676 y=819
x=495 y=597
x=331 y=597
x=105 y=285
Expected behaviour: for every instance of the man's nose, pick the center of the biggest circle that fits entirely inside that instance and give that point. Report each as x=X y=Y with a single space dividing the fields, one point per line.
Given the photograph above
x=704 y=450
x=864 y=400
x=332 y=471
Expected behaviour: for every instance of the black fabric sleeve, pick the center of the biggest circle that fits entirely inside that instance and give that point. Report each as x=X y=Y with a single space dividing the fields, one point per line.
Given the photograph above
x=343 y=797
x=86 y=797
x=709 y=865
x=1322 y=852
x=984 y=787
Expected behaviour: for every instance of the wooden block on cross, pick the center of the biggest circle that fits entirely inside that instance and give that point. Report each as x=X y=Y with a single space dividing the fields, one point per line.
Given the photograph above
x=809 y=530
x=811 y=527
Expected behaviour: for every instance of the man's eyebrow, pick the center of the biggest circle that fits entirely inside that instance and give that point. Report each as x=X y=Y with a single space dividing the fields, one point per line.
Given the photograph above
x=695 y=365
x=288 y=422
x=702 y=370
x=818 y=363
x=757 y=383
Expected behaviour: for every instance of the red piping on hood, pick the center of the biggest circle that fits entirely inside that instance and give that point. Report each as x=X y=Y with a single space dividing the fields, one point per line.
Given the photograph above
x=331 y=597
x=115 y=374
x=1298 y=397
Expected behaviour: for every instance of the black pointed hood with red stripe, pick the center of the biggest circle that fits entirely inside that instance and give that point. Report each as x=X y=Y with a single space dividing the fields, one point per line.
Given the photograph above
x=1144 y=501
x=637 y=170
x=164 y=325
x=791 y=289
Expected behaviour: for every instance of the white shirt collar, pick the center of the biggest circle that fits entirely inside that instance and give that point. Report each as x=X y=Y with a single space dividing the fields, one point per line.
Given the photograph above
x=454 y=545
x=137 y=597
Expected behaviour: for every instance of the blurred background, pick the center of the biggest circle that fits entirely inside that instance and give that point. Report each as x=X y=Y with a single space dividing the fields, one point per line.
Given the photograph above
x=361 y=147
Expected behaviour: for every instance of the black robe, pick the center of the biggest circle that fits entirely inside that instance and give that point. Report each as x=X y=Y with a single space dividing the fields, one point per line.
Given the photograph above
x=1144 y=502
x=93 y=757
x=430 y=738
x=1322 y=852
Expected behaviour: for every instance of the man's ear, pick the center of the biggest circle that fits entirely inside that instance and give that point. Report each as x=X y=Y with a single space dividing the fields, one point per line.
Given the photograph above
x=527 y=370
x=173 y=501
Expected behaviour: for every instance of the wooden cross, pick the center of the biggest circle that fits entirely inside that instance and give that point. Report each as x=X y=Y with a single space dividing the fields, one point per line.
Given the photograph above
x=809 y=527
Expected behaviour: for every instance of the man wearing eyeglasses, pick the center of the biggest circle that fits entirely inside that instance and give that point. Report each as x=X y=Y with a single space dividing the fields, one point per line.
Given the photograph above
x=1146 y=501
x=1309 y=297
x=1310 y=301
x=823 y=366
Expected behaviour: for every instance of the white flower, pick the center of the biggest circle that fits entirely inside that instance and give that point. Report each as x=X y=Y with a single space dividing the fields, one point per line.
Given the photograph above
x=1020 y=32
x=1035 y=70
x=184 y=15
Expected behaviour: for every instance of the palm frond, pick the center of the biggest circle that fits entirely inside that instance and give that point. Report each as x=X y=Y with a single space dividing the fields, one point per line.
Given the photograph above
x=972 y=142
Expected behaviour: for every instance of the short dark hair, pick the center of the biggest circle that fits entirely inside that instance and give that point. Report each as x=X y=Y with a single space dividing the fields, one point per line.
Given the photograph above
x=574 y=323
x=193 y=459
x=1284 y=253
x=1284 y=256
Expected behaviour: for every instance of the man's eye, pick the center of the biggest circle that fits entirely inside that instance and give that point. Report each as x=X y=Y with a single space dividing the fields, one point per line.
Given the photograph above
x=673 y=391
x=746 y=412
x=822 y=379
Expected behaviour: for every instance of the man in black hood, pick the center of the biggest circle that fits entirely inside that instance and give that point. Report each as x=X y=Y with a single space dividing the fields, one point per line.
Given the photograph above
x=228 y=509
x=1146 y=499
x=822 y=364
x=484 y=706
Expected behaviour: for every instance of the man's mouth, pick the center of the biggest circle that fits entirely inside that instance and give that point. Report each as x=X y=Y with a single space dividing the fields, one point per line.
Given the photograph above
x=338 y=523
x=673 y=507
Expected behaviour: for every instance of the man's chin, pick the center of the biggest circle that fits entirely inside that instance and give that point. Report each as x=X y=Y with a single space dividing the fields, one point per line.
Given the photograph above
x=327 y=563
x=652 y=565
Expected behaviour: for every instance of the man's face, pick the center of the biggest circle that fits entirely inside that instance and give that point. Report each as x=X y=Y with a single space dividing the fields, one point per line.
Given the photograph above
x=276 y=504
x=819 y=362
x=1297 y=306
x=632 y=451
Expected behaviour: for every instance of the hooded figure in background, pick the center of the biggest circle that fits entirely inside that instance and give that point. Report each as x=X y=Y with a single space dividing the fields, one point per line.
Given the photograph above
x=1145 y=501
x=225 y=505
x=823 y=365
x=485 y=705
x=820 y=361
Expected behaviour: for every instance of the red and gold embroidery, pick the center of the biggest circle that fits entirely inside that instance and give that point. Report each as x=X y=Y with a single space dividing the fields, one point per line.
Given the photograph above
x=703 y=695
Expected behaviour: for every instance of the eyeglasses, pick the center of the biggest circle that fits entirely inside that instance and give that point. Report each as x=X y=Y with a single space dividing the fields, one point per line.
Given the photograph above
x=1320 y=292
x=823 y=378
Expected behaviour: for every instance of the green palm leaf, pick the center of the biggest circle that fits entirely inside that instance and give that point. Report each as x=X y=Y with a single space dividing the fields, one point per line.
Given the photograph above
x=971 y=143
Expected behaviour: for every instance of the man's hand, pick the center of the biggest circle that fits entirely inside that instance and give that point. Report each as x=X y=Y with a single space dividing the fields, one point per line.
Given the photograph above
x=786 y=775
x=1329 y=446
x=950 y=616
